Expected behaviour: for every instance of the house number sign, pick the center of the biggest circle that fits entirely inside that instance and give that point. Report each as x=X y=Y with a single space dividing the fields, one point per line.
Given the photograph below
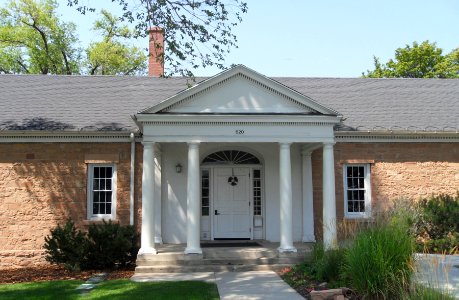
x=239 y=131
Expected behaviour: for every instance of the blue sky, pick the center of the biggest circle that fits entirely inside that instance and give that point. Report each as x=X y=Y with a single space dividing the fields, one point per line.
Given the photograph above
x=328 y=38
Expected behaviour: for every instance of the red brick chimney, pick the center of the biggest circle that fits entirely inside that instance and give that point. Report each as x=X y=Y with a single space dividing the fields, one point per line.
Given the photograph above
x=156 y=52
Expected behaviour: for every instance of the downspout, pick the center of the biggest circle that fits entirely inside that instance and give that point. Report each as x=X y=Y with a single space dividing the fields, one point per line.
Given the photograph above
x=131 y=186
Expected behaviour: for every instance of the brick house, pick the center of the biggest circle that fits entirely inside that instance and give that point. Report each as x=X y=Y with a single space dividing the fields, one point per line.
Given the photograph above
x=238 y=155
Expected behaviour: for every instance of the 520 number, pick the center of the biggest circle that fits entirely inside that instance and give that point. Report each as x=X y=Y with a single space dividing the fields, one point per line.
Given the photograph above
x=239 y=131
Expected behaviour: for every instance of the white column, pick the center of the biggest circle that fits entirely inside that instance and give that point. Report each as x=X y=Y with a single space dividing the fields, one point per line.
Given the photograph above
x=329 y=204
x=193 y=202
x=158 y=210
x=286 y=208
x=308 y=206
x=147 y=242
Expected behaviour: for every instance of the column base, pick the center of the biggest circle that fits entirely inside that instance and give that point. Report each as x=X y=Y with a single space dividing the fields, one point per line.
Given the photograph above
x=158 y=240
x=193 y=251
x=287 y=249
x=308 y=239
x=147 y=250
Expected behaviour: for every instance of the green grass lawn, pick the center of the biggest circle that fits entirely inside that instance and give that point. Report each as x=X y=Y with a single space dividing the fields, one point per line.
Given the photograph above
x=112 y=289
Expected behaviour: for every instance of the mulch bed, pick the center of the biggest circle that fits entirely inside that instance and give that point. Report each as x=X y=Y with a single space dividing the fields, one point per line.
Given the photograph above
x=52 y=272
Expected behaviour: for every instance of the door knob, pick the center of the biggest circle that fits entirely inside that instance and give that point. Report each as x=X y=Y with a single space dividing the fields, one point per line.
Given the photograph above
x=216 y=212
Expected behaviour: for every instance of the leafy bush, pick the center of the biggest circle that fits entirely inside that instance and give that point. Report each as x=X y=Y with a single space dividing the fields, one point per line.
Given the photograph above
x=111 y=244
x=66 y=245
x=379 y=264
x=326 y=265
x=104 y=246
x=438 y=226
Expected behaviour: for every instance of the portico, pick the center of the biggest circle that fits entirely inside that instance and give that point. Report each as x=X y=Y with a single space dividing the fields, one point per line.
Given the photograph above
x=237 y=109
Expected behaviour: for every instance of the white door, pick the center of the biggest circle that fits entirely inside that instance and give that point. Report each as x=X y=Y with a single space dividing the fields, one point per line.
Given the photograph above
x=232 y=203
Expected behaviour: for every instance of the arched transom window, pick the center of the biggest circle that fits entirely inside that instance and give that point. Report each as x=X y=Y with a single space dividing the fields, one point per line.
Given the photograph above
x=235 y=157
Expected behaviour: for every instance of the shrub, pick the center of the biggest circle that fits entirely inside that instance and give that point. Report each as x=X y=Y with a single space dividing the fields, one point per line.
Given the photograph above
x=437 y=227
x=326 y=265
x=379 y=264
x=66 y=245
x=111 y=244
x=104 y=246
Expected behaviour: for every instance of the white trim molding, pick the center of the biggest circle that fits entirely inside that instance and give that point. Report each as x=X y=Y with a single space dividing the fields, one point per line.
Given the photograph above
x=396 y=137
x=66 y=137
x=90 y=189
x=366 y=176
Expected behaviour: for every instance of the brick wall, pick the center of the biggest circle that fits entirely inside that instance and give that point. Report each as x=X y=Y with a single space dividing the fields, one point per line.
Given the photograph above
x=398 y=170
x=41 y=185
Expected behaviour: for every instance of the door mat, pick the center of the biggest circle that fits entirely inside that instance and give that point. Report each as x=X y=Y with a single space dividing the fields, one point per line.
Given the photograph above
x=236 y=244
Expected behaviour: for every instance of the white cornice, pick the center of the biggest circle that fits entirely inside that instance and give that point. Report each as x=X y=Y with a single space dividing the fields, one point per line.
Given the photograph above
x=396 y=137
x=65 y=137
x=189 y=119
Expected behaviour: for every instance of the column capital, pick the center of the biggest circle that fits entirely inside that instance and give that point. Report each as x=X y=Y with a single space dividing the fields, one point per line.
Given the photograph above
x=148 y=144
x=285 y=144
x=193 y=144
x=328 y=145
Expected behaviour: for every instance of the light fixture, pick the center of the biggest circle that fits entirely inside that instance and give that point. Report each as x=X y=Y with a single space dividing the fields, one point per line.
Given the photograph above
x=178 y=168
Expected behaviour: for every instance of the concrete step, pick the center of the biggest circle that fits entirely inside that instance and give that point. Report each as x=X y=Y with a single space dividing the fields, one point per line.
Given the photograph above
x=182 y=261
x=208 y=268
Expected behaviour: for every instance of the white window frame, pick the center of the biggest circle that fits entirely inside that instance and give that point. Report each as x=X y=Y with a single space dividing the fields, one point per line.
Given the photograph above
x=367 y=188
x=90 y=215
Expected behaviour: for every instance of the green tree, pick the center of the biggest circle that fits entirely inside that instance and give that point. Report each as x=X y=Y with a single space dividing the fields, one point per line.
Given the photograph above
x=424 y=60
x=111 y=56
x=34 y=40
x=197 y=33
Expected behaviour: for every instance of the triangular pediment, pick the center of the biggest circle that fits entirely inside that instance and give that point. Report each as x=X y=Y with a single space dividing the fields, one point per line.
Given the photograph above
x=240 y=90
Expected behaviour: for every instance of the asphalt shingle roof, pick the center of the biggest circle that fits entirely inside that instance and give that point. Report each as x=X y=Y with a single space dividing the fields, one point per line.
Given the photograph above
x=98 y=103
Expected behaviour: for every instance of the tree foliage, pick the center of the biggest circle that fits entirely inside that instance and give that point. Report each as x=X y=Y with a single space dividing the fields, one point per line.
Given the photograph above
x=33 y=40
x=424 y=60
x=111 y=55
x=197 y=33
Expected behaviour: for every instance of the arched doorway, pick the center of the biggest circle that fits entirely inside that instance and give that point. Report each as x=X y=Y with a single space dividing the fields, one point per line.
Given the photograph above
x=231 y=195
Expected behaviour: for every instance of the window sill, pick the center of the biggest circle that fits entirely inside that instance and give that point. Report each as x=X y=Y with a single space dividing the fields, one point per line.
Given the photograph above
x=99 y=221
x=359 y=219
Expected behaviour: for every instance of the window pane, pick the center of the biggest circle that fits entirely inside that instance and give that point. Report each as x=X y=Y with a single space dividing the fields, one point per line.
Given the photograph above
x=361 y=206
x=349 y=195
x=361 y=195
x=205 y=202
x=108 y=172
x=95 y=208
x=102 y=184
x=108 y=208
x=95 y=184
x=205 y=192
x=361 y=183
x=355 y=195
x=205 y=211
x=96 y=172
x=360 y=171
x=96 y=196
x=350 y=207
x=256 y=173
x=108 y=184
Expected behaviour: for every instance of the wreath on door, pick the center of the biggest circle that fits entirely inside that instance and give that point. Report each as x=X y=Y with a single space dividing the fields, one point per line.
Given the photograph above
x=233 y=180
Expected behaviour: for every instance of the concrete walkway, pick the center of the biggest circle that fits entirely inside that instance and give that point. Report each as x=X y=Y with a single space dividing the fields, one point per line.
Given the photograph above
x=439 y=271
x=234 y=285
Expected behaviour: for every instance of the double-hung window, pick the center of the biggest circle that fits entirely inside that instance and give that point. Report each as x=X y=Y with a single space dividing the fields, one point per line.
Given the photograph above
x=357 y=191
x=101 y=191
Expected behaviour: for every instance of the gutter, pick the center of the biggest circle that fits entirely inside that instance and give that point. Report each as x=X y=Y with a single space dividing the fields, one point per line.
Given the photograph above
x=131 y=185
